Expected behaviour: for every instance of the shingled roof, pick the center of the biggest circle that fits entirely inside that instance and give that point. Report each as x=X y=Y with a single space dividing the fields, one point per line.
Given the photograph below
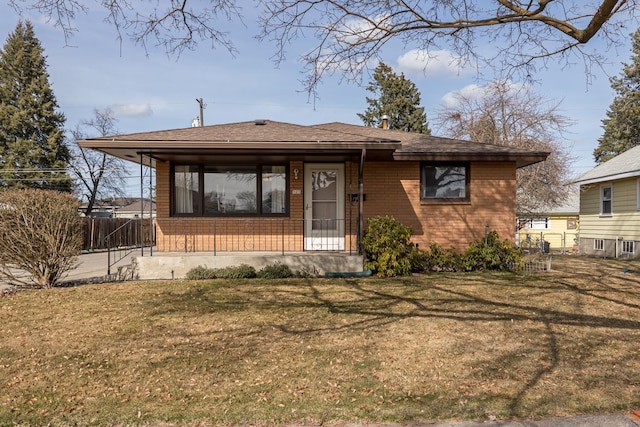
x=625 y=165
x=267 y=136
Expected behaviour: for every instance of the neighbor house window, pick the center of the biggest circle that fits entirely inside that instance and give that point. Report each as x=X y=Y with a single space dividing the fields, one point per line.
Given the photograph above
x=234 y=190
x=598 y=244
x=534 y=223
x=606 y=199
x=628 y=247
x=444 y=182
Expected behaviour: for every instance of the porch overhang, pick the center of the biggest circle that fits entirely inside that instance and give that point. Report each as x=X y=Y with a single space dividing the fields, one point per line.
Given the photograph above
x=167 y=151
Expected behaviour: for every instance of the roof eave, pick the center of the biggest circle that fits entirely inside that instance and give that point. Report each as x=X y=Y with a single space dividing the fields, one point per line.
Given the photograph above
x=605 y=178
x=521 y=160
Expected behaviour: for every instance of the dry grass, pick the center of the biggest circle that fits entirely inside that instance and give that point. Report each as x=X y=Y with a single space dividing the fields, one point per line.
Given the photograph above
x=442 y=346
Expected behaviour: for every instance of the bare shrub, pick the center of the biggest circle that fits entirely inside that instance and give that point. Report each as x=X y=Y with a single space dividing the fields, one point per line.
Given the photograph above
x=40 y=236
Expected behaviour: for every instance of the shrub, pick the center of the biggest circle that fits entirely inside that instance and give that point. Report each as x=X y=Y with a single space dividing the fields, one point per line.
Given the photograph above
x=387 y=245
x=242 y=271
x=436 y=258
x=200 y=273
x=275 y=271
x=40 y=234
x=492 y=254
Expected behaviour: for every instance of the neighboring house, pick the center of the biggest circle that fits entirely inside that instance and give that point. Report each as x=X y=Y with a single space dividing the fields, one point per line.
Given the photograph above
x=610 y=207
x=271 y=186
x=557 y=226
x=122 y=207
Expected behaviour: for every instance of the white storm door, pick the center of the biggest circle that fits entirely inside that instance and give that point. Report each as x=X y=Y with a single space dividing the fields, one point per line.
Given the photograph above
x=324 y=207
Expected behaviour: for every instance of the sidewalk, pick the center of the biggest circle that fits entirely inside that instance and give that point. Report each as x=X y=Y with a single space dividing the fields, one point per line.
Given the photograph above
x=91 y=267
x=613 y=420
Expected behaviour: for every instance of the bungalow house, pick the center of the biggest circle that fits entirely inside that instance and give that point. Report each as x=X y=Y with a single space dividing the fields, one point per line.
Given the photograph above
x=557 y=227
x=610 y=207
x=268 y=186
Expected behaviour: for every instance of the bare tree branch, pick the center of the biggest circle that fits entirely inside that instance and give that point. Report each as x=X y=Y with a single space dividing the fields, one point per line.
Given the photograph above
x=174 y=24
x=510 y=35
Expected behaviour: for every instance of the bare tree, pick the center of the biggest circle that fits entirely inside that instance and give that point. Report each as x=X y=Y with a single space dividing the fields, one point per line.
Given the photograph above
x=40 y=236
x=513 y=115
x=510 y=35
x=98 y=175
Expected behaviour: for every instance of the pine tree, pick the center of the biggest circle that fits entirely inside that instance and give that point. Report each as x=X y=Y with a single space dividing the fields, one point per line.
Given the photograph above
x=622 y=125
x=33 y=153
x=398 y=98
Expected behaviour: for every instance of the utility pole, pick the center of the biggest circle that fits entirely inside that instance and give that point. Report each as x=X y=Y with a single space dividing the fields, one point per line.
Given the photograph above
x=200 y=101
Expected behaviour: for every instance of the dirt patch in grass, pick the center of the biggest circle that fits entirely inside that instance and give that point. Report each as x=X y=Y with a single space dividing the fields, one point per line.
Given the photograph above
x=311 y=351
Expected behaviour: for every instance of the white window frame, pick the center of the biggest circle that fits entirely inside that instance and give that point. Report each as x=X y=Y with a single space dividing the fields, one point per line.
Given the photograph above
x=598 y=244
x=540 y=223
x=603 y=187
x=638 y=194
x=628 y=247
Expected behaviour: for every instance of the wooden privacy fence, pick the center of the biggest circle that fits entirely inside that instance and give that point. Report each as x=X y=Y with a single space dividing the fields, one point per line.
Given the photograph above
x=131 y=232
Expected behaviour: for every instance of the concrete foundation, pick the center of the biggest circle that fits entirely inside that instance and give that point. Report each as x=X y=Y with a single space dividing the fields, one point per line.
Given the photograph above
x=176 y=265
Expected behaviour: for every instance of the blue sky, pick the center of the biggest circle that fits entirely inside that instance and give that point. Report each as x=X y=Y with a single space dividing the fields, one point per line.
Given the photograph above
x=149 y=91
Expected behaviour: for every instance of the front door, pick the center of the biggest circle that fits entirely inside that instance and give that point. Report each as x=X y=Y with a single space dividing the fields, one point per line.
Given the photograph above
x=324 y=207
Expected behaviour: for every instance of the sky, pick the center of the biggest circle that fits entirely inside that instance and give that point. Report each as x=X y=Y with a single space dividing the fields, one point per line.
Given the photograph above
x=150 y=91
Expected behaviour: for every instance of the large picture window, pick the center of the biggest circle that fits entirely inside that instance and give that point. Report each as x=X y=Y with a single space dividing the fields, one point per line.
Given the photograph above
x=219 y=190
x=444 y=182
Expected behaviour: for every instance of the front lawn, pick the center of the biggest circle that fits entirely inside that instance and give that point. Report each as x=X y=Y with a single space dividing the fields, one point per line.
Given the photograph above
x=312 y=351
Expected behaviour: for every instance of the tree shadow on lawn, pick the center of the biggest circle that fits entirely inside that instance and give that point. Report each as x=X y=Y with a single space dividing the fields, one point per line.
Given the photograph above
x=548 y=305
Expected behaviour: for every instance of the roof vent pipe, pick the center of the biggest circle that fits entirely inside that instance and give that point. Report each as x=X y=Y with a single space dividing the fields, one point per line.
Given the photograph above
x=385 y=122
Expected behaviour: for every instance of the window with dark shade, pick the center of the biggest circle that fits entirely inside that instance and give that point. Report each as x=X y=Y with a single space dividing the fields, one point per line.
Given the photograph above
x=444 y=182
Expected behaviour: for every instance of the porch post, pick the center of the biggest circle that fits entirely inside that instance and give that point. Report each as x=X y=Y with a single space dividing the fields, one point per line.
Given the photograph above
x=150 y=208
x=141 y=208
x=363 y=155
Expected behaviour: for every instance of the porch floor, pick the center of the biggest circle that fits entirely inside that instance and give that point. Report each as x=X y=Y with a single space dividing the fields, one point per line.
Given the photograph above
x=175 y=265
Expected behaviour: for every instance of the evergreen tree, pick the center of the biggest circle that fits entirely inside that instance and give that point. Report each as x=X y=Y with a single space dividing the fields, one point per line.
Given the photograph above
x=397 y=98
x=622 y=125
x=33 y=153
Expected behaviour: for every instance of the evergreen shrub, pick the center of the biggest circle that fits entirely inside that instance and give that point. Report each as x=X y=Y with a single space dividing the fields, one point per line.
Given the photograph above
x=388 y=248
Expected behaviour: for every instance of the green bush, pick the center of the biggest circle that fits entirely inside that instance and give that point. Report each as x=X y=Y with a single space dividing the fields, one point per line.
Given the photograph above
x=200 y=273
x=275 y=271
x=242 y=271
x=492 y=254
x=436 y=258
x=388 y=248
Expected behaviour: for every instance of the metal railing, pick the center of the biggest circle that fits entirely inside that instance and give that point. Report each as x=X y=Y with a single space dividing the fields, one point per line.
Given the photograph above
x=254 y=235
x=534 y=241
x=125 y=239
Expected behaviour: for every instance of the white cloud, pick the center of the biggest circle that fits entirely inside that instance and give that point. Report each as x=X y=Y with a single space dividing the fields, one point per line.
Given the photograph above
x=473 y=91
x=432 y=64
x=132 y=110
x=450 y=99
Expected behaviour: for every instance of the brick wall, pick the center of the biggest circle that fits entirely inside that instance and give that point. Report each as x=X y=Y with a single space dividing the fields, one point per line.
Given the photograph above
x=391 y=188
